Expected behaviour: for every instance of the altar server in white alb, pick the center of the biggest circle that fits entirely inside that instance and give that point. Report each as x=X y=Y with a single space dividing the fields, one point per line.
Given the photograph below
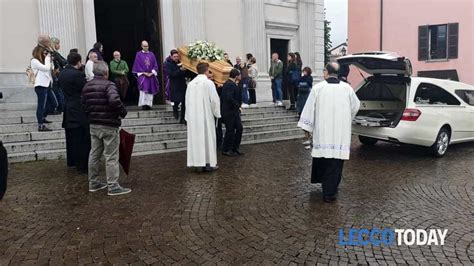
x=328 y=114
x=202 y=109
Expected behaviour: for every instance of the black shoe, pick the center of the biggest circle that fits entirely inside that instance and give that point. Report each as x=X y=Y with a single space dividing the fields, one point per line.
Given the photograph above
x=47 y=121
x=183 y=122
x=229 y=153
x=292 y=108
x=210 y=169
x=239 y=152
x=329 y=198
x=146 y=108
x=44 y=129
x=56 y=113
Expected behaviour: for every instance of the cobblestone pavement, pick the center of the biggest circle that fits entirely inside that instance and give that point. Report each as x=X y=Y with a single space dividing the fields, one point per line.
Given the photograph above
x=256 y=209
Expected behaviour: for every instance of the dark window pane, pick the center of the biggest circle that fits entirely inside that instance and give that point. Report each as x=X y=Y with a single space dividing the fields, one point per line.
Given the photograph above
x=438 y=42
x=432 y=94
x=466 y=95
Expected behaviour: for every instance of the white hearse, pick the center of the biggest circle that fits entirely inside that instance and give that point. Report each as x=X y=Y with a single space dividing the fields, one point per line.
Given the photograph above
x=397 y=107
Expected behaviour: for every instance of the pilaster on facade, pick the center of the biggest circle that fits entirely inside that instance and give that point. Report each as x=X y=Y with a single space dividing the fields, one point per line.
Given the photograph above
x=168 y=25
x=254 y=30
x=90 y=35
x=319 y=45
x=307 y=19
x=52 y=11
x=189 y=16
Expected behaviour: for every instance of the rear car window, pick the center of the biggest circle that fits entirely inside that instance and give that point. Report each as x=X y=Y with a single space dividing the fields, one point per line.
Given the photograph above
x=382 y=91
x=466 y=95
x=431 y=94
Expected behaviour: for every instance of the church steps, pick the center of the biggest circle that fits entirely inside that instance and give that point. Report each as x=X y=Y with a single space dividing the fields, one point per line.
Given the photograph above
x=57 y=140
x=142 y=132
x=31 y=119
x=157 y=132
x=136 y=122
x=155 y=147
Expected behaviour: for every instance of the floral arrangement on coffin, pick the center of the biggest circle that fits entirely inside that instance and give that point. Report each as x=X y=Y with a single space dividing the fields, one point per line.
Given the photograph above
x=202 y=50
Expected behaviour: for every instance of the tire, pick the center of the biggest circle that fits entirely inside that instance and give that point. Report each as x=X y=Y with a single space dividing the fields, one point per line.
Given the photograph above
x=440 y=147
x=367 y=141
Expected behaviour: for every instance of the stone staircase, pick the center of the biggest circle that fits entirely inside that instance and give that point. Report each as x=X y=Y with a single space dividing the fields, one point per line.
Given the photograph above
x=156 y=131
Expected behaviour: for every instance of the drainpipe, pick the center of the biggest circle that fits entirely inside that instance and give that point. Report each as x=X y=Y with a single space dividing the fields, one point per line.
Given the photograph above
x=381 y=25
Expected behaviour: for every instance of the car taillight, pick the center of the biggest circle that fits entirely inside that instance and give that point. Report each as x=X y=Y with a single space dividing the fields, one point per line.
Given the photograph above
x=411 y=114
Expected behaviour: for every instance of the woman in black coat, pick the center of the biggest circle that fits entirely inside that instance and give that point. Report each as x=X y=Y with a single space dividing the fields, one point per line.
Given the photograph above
x=75 y=121
x=292 y=74
x=304 y=88
x=299 y=62
x=98 y=48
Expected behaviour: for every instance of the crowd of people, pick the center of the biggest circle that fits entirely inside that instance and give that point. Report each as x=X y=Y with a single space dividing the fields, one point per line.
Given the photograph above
x=91 y=99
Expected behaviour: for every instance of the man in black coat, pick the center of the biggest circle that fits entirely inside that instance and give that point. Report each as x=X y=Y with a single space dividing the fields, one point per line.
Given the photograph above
x=3 y=170
x=75 y=122
x=177 y=79
x=231 y=101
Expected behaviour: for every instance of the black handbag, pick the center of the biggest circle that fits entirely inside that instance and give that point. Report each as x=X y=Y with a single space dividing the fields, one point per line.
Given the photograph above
x=252 y=84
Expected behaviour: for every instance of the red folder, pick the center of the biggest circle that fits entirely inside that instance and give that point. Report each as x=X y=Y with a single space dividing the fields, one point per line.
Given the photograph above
x=127 y=141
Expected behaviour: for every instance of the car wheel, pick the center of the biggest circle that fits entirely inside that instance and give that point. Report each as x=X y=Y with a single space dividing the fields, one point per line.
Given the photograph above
x=367 y=140
x=440 y=147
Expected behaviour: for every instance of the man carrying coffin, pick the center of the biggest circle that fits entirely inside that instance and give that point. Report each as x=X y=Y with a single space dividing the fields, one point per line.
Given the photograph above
x=146 y=68
x=203 y=107
x=328 y=114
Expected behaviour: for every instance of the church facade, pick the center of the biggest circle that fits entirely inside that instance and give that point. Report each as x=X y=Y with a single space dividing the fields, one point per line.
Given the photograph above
x=259 y=27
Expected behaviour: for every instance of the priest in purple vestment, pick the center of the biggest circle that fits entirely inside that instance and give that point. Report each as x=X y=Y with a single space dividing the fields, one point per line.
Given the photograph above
x=146 y=68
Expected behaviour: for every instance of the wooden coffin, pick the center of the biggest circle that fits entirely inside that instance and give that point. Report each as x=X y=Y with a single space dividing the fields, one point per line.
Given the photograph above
x=220 y=69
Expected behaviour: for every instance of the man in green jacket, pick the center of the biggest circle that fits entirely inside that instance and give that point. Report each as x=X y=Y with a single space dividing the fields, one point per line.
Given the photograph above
x=276 y=75
x=119 y=69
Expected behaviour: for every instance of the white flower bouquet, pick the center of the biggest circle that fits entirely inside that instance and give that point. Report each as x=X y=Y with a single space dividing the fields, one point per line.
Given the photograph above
x=202 y=50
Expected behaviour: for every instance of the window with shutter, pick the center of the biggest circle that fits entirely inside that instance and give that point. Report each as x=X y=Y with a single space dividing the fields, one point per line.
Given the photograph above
x=423 y=43
x=438 y=42
x=453 y=40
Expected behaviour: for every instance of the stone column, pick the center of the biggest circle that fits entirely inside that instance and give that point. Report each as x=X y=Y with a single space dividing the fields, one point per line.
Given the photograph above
x=254 y=32
x=307 y=32
x=59 y=19
x=90 y=35
x=319 y=45
x=168 y=26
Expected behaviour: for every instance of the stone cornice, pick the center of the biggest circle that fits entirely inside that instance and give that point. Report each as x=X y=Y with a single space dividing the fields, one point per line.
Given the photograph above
x=281 y=25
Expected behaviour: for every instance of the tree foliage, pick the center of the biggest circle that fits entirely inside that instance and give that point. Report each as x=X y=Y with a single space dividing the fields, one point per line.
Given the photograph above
x=327 y=41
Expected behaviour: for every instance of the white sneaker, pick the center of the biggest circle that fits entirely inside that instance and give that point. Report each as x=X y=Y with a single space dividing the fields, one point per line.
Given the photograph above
x=279 y=104
x=244 y=105
x=308 y=142
x=308 y=147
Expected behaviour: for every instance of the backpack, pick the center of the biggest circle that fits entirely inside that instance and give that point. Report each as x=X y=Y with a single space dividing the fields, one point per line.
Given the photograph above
x=30 y=73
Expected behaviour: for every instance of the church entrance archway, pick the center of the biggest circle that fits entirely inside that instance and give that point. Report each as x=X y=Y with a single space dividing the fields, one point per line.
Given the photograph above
x=121 y=25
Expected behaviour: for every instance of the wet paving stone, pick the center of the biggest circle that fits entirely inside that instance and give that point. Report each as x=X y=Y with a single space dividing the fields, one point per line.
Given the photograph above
x=256 y=209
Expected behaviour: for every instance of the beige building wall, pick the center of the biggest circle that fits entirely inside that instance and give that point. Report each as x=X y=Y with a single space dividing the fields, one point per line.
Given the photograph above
x=18 y=32
x=224 y=25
